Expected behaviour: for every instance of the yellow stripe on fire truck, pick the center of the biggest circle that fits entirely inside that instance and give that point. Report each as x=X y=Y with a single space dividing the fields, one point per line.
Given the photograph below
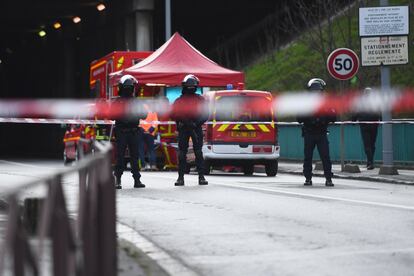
x=261 y=127
x=223 y=127
x=76 y=138
x=248 y=126
x=98 y=64
x=264 y=128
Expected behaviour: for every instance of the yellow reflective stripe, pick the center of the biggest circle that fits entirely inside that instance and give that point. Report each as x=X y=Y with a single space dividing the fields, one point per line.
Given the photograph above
x=169 y=164
x=223 y=127
x=236 y=127
x=163 y=135
x=120 y=62
x=71 y=139
x=250 y=127
x=98 y=64
x=264 y=128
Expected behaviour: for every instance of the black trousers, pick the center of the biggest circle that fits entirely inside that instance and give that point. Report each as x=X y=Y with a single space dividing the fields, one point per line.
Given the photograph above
x=183 y=139
x=369 y=137
x=322 y=143
x=124 y=138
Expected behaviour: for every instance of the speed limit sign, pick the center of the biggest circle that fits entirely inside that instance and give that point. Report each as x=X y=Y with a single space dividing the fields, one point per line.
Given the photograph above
x=342 y=64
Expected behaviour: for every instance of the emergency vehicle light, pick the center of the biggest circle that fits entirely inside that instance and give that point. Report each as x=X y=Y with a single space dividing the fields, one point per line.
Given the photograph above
x=42 y=33
x=100 y=7
x=76 y=19
x=57 y=25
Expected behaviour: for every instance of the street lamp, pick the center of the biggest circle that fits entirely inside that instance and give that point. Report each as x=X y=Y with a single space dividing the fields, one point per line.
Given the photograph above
x=100 y=7
x=42 y=33
x=76 y=19
x=57 y=25
x=167 y=19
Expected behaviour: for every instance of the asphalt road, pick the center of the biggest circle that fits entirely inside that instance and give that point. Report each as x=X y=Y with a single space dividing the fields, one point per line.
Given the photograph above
x=262 y=225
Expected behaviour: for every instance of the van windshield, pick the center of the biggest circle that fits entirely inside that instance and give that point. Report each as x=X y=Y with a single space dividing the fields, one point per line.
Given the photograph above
x=243 y=109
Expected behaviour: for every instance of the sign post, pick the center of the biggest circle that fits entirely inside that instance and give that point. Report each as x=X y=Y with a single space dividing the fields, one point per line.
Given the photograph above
x=384 y=41
x=342 y=64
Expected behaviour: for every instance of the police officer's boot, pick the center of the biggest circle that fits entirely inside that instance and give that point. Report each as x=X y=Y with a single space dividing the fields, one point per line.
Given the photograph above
x=202 y=180
x=308 y=182
x=118 y=182
x=138 y=183
x=329 y=183
x=180 y=181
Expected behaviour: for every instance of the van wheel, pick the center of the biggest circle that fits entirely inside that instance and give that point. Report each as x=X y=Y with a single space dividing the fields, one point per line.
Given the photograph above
x=160 y=163
x=271 y=168
x=77 y=154
x=66 y=161
x=248 y=169
x=207 y=168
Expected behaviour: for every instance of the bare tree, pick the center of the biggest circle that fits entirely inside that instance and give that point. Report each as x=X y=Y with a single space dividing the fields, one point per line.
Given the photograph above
x=326 y=25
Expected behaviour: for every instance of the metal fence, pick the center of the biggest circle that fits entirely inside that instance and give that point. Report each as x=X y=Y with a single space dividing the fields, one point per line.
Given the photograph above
x=87 y=247
x=291 y=142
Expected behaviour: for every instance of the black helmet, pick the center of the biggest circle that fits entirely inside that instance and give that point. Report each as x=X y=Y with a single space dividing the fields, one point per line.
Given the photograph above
x=190 y=84
x=190 y=81
x=126 y=85
x=316 y=84
x=367 y=90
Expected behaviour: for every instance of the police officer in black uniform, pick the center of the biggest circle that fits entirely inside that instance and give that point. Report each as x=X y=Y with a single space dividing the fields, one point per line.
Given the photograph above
x=314 y=132
x=188 y=112
x=127 y=134
x=369 y=132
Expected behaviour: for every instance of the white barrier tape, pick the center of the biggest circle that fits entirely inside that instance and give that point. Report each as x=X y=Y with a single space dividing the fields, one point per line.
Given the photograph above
x=111 y=122
x=288 y=104
x=56 y=121
x=404 y=121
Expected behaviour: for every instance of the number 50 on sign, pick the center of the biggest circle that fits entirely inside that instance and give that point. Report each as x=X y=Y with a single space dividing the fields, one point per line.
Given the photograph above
x=342 y=64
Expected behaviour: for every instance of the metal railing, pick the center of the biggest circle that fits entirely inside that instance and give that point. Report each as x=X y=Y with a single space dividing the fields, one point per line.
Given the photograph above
x=87 y=247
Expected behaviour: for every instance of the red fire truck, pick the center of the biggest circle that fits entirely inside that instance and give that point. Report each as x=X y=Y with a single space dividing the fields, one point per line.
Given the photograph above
x=112 y=62
x=101 y=89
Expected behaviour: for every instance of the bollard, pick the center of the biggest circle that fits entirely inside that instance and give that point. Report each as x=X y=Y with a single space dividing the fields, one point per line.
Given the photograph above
x=351 y=168
x=318 y=166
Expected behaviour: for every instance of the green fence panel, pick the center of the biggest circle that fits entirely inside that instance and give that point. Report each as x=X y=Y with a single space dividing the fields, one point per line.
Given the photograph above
x=291 y=143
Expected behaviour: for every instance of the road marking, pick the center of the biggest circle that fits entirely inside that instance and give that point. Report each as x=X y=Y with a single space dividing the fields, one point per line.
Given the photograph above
x=375 y=251
x=166 y=261
x=29 y=165
x=372 y=203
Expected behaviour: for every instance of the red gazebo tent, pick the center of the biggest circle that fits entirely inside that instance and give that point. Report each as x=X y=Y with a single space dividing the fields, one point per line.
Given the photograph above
x=176 y=58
